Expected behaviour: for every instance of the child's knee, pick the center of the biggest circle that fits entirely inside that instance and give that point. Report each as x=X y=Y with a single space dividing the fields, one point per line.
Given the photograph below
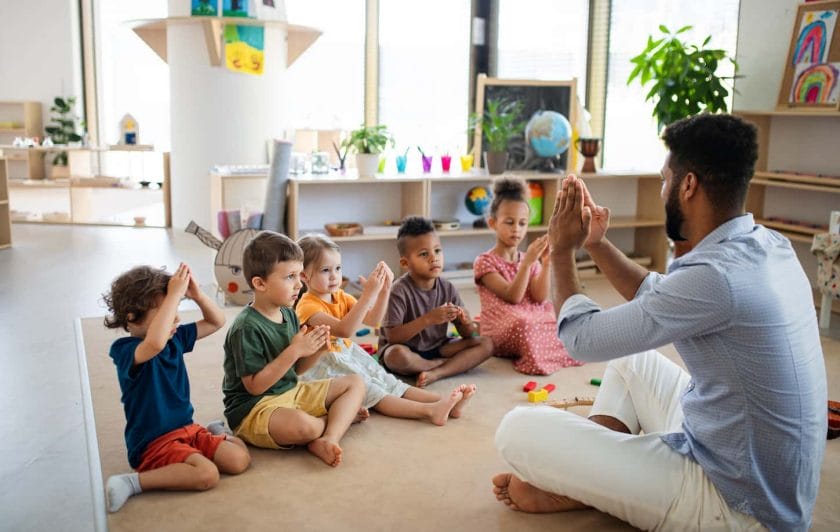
x=207 y=477
x=240 y=461
x=486 y=345
x=356 y=382
x=397 y=357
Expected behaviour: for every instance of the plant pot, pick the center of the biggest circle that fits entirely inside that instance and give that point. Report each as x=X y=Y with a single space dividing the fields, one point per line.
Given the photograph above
x=495 y=161
x=367 y=163
x=60 y=172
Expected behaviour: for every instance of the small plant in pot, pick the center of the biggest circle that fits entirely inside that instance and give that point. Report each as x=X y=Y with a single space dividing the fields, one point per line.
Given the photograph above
x=499 y=124
x=684 y=76
x=62 y=130
x=368 y=142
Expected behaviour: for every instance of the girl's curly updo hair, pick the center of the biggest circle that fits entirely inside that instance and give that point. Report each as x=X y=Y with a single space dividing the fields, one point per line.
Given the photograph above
x=133 y=294
x=507 y=189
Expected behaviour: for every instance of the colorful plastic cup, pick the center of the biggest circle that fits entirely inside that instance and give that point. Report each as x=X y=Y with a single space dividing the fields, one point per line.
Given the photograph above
x=467 y=162
x=402 y=160
x=445 y=162
x=427 y=163
x=381 y=168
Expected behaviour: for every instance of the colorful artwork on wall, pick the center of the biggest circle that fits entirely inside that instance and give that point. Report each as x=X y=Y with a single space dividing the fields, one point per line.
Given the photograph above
x=815 y=33
x=815 y=83
x=244 y=49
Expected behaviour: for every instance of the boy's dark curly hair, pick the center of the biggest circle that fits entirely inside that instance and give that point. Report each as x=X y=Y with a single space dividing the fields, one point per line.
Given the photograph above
x=133 y=294
x=507 y=189
x=412 y=226
x=720 y=149
x=264 y=251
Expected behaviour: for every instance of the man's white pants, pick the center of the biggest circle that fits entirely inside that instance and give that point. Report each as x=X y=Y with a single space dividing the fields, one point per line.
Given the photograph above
x=637 y=478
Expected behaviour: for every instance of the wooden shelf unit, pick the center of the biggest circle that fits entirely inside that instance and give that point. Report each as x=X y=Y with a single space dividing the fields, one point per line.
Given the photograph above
x=797 y=175
x=5 y=210
x=314 y=201
x=20 y=162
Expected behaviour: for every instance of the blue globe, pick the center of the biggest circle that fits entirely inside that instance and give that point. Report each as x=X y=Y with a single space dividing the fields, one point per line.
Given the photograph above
x=478 y=200
x=548 y=133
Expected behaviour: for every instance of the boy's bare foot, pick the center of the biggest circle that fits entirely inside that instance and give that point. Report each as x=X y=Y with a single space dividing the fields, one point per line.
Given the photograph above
x=425 y=378
x=326 y=450
x=524 y=497
x=467 y=390
x=362 y=415
x=441 y=410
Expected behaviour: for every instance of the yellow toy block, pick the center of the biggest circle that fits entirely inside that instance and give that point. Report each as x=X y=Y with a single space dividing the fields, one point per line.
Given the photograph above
x=537 y=396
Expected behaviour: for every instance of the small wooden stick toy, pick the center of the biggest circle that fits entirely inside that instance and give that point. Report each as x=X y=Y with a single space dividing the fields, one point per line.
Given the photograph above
x=574 y=401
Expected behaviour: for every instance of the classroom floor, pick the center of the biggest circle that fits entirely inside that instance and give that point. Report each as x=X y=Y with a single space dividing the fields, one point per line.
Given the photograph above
x=53 y=275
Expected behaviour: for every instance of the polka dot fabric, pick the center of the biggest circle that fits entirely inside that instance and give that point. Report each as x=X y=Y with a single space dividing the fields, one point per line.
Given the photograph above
x=526 y=331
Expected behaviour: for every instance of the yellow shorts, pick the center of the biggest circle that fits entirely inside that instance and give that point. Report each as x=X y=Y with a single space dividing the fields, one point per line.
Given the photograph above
x=309 y=396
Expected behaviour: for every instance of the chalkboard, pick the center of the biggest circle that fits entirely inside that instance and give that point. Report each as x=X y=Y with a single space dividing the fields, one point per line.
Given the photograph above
x=535 y=95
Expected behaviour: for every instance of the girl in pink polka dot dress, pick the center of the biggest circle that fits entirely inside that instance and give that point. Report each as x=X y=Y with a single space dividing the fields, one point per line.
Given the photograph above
x=514 y=288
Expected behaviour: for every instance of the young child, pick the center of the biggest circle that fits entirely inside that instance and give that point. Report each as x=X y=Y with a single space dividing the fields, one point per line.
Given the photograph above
x=514 y=288
x=421 y=305
x=325 y=303
x=166 y=448
x=264 y=401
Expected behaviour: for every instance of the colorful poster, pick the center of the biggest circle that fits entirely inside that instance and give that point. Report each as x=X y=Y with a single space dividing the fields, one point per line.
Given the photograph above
x=815 y=83
x=244 y=47
x=814 y=37
x=204 y=8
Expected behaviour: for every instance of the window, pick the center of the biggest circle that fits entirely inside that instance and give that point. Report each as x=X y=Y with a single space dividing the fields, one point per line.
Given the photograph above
x=631 y=142
x=543 y=39
x=424 y=50
x=326 y=84
x=130 y=77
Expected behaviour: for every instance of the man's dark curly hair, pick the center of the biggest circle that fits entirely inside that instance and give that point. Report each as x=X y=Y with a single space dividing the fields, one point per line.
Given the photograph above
x=412 y=226
x=133 y=294
x=264 y=251
x=720 y=149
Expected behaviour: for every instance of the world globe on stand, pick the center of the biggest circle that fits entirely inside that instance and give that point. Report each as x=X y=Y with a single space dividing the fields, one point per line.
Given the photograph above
x=478 y=201
x=549 y=134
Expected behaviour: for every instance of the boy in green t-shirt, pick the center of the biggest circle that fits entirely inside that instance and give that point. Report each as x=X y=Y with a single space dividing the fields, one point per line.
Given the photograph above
x=264 y=347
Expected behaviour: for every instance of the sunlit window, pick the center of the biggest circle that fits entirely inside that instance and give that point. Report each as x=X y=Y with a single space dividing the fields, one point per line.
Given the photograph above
x=326 y=85
x=631 y=141
x=424 y=52
x=543 y=39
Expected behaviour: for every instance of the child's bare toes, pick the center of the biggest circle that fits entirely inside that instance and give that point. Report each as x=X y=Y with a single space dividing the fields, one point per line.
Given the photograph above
x=328 y=451
x=361 y=415
x=441 y=410
x=467 y=391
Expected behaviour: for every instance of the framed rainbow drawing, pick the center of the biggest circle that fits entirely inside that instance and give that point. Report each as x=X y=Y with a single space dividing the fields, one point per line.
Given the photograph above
x=812 y=72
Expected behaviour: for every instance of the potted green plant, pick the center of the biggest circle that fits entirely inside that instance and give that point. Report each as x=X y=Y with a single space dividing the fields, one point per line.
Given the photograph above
x=62 y=131
x=368 y=142
x=684 y=76
x=499 y=124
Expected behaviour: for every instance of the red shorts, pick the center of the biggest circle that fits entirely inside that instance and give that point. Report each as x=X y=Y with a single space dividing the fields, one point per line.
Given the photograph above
x=175 y=446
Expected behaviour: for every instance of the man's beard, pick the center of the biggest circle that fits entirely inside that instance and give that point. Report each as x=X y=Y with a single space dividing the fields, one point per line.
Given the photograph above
x=674 y=217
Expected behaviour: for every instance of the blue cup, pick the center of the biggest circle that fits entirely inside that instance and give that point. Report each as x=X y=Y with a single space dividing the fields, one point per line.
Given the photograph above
x=402 y=160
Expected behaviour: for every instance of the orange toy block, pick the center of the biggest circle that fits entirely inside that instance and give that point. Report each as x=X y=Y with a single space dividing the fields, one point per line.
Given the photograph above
x=537 y=396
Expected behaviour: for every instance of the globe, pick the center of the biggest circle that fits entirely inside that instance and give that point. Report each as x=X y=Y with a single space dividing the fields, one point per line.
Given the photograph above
x=548 y=133
x=478 y=200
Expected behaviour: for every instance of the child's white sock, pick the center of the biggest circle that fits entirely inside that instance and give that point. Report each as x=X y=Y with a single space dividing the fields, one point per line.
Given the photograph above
x=218 y=427
x=120 y=488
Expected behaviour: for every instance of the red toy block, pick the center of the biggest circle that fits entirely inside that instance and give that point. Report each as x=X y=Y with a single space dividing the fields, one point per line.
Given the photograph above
x=530 y=385
x=549 y=388
x=370 y=348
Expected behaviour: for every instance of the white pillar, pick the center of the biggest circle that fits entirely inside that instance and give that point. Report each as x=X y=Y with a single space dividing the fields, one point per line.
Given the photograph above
x=218 y=116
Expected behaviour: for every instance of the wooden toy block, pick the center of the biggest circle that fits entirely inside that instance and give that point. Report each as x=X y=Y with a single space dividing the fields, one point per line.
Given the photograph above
x=530 y=385
x=537 y=396
x=574 y=401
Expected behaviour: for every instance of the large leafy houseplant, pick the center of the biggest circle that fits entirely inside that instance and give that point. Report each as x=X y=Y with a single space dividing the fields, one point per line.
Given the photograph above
x=368 y=142
x=62 y=129
x=684 y=76
x=499 y=123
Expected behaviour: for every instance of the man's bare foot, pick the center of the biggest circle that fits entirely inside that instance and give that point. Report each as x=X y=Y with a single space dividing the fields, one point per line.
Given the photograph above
x=362 y=415
x=440 y=411
x=524 y=497
x=326 y=450
x=468 y=390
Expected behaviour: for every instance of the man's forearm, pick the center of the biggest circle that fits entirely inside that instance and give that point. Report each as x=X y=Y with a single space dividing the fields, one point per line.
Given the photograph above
x=625 y=275
x=564 y=275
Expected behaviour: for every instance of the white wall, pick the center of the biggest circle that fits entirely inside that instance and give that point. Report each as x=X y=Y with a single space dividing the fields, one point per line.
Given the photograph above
x=40 y=52
x=764 y=31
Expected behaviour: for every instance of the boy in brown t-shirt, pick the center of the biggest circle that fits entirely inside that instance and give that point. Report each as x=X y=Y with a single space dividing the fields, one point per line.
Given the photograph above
x=414 y=340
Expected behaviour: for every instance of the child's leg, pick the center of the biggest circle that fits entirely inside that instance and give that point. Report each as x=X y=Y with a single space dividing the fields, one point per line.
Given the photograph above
x=400 y=359
x=232 y=456
x=402 y=407
x=289 y=426
x=344 y=399
x=462 y=356
x=425 y=396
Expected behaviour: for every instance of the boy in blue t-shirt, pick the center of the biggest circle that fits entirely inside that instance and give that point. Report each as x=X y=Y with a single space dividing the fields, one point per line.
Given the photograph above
x=166 y=448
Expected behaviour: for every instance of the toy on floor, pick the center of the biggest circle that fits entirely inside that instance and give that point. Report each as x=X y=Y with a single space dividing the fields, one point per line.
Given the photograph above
x=595 y=382
x=228 y=262
x=363 y=332
x=369 y=348
x=538 y=396
x=530 y=385
x=574 y=401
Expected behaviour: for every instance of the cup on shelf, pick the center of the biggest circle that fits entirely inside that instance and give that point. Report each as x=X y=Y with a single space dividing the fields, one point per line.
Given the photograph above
x=381 y=168
x=445 y=162
x=402 y=160
x=467 y=162
x=427 y=163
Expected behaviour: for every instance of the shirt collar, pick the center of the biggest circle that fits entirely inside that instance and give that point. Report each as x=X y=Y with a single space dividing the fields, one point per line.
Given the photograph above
x=736 y=226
